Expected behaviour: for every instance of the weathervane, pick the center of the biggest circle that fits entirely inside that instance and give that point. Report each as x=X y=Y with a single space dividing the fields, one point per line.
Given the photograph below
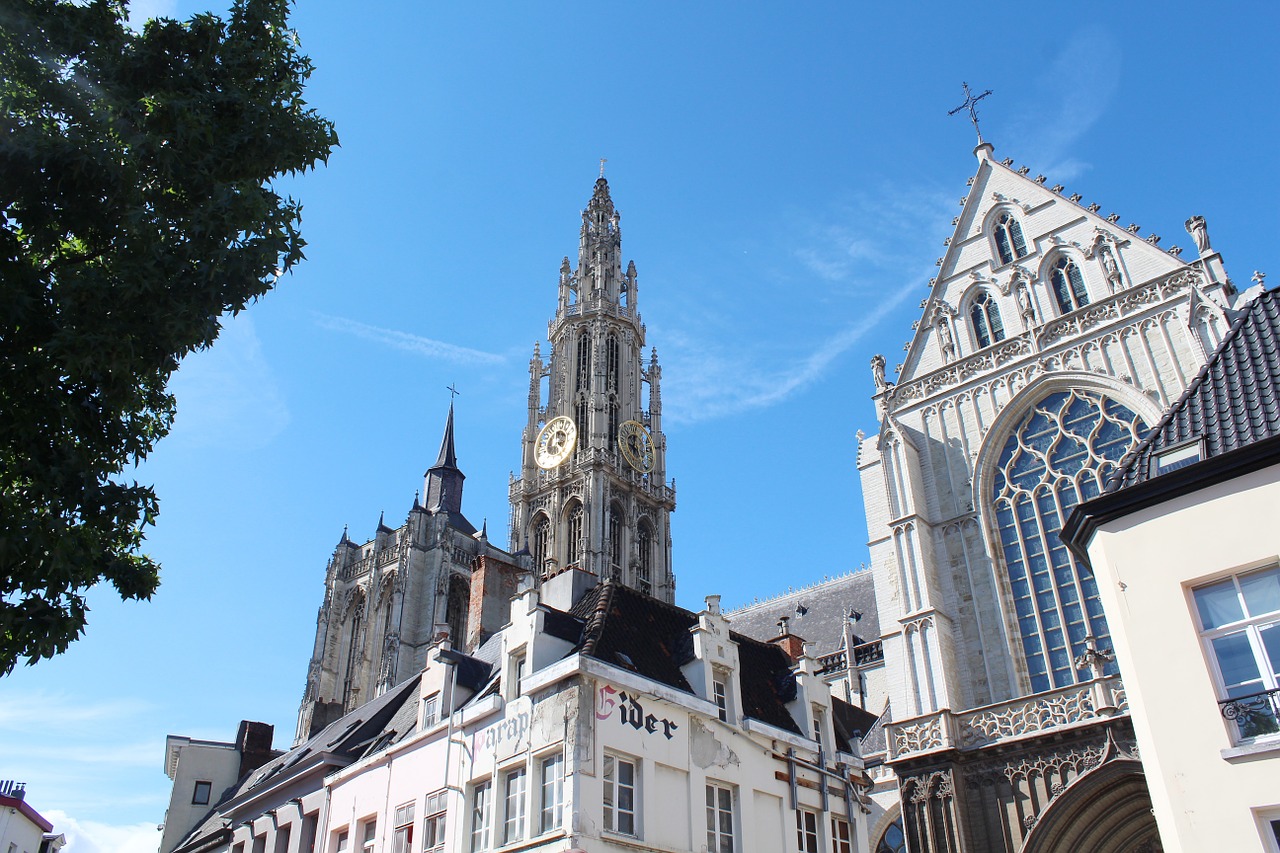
x=970 y=104
x=602 y=162
x=453 y=392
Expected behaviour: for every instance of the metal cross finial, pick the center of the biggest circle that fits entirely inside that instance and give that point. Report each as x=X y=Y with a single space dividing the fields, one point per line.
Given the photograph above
x=453 y=392
x=970 y=104
x=602 y=162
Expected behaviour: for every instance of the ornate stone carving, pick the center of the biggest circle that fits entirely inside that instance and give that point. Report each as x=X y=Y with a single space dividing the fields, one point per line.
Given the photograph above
x=917 y=735
x=1200 y=233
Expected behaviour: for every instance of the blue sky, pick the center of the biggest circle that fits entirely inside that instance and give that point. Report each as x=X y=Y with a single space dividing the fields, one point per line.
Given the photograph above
x=786 y=174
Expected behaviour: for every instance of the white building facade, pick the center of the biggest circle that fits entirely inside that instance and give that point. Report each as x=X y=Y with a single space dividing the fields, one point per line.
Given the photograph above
x=1050 y=340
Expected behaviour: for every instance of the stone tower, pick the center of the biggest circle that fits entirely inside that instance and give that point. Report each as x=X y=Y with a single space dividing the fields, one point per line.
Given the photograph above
x=592 y=494
x=387 y=600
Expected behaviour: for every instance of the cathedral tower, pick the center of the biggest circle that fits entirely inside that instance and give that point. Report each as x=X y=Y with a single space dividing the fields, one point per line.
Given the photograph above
x=592 y=494
x=388 y=600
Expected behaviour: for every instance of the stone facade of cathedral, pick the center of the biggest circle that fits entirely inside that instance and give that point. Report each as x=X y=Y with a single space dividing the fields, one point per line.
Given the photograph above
x=592 y=493
x=1051 y=339
x=387 y=600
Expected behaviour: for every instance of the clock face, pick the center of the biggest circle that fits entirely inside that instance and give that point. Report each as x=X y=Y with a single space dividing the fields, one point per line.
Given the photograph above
x=555 y=442
x=637 y=446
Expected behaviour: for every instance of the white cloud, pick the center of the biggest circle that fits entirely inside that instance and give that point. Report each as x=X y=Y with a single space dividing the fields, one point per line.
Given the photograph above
x=861 y=260
x=1073 y=95
x=42 y=710
x=227 y=394
x=93 y=837
x=407 y=342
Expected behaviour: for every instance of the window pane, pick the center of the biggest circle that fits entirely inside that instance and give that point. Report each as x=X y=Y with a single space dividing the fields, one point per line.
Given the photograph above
x=1218 y=604
x=1261 y=592
x=1271 y=643
x=1235 y=660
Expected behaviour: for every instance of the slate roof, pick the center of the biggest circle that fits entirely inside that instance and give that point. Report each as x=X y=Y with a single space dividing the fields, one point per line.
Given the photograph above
x=815 y=613
x=627 y=628
x=345 y=739
x=1234 y=400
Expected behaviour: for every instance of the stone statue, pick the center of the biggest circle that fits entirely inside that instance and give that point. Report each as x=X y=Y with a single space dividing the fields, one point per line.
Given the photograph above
x=877 y=372
x=1024 y=302
x=944 y=335
x=1200 y=233
x=1111 y=268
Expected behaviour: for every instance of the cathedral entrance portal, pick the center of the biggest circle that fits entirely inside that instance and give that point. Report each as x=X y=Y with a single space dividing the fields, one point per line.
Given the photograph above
x=1107 y=810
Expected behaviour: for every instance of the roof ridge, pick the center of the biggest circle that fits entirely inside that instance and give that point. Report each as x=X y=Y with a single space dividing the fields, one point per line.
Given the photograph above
x=863 y=569
x=594 y=625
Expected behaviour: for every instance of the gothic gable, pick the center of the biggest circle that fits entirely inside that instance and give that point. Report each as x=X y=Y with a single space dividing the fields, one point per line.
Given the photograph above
x=1023 y=255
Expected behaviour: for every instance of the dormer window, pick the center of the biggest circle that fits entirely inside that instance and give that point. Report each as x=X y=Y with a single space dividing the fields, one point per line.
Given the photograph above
x=1008 y=236
x=985 y=315
x=720 y=694
x=1068 y=285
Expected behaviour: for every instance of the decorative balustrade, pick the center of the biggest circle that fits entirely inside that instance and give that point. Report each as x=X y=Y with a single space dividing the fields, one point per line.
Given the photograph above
x=582 y=460
x=1023 y=717
x=863 y=655
x=1255 y=715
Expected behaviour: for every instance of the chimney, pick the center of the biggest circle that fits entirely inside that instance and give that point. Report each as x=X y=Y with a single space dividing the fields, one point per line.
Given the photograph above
x=792 y=644
x=493 y=583
x=253 y=742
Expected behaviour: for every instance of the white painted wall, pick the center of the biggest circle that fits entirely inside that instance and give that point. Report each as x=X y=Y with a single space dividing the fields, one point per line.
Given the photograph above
x=1147 y=564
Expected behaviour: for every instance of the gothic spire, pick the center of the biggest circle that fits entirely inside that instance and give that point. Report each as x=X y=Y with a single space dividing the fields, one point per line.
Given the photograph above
x=444 y=479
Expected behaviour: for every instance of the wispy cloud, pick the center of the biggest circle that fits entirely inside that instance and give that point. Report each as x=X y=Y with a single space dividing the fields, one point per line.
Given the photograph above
x=42 y=710
x=407 y=342
x=87 y=836
x=228 y=395
x=1072 y=96
x=861 y=259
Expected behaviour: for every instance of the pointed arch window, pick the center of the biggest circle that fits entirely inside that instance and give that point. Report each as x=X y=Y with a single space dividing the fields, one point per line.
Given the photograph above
x=1059 y=455
x=985 y=315
x=644 y=564
x=541 y=542
x=573 y=527
x=613 y=419
x=583 y=379
x=615 y=538
x=353 y=651
x=1068 y=285
x=582 y=420
x=611 y=362
x=1009 y=242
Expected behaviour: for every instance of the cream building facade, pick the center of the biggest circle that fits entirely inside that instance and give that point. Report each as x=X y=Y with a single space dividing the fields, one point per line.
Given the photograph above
x=1186 y=552
x=1051 y=339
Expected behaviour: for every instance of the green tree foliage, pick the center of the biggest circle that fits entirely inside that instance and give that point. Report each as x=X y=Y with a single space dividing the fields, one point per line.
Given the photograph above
x=136 y=208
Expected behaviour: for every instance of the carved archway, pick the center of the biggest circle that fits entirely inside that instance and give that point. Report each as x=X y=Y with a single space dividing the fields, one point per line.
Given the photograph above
x=1107 y=810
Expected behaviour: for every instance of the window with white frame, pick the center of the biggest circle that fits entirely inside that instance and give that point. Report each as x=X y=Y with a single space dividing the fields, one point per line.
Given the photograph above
x=1240 y=628
x=552 y=800
x=402 y=836
x=819 y=726
x=620 y=783
x=482 y=815
x=513 y=809
x=342 y=842
x=431 y=710
x=720 y=694
x=719 y=818
x=1008 y=236
x=370 y=836
x=806 y=831
x=841 y=836
x=434 y=822
x=518 y=662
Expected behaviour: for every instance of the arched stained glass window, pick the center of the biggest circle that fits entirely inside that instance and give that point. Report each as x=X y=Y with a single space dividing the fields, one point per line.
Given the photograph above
x=584 y=362
x=1059 y=455
x=1068 y=285
x=985 y=314
x=615 y=539
x=893 y=840
x=1009 y=242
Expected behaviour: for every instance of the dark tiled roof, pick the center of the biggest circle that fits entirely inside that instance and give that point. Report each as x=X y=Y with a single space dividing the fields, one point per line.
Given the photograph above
x=472 y=672
x=1233 y=402
x=815 y=613
x=627 y=628
x=346 y=739
x=851 y=723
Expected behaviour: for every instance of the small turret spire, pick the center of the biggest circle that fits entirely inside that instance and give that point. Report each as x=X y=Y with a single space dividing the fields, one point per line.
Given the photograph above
x=444 y=480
